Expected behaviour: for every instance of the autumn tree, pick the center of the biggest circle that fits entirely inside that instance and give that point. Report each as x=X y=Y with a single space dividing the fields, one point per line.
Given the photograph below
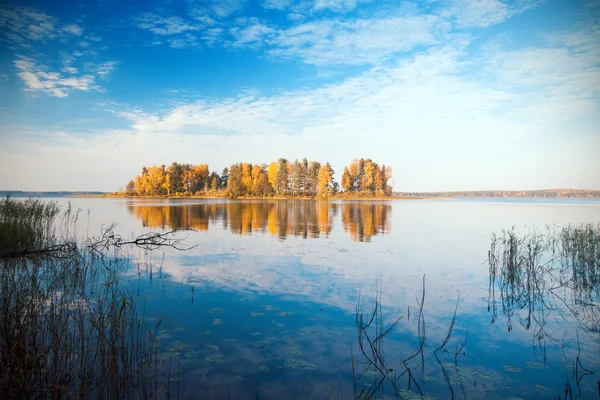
x=272 y=175
x=323 y=181
x=214 y=181
x=346 y=180
x=155 y=180
x=247 y=178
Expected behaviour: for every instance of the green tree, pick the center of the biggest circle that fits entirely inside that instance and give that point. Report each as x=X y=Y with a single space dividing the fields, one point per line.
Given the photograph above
x=235 y=187
x=282 y=176
x=224 y=178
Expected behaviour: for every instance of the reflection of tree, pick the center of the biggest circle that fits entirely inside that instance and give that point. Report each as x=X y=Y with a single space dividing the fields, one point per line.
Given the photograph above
x=363 y=220
x=305 y=219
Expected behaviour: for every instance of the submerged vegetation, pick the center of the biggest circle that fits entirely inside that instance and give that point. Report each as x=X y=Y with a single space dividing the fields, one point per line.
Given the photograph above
x=281 y=178
x=538 y=279
x=558 y=270
x=68 y=329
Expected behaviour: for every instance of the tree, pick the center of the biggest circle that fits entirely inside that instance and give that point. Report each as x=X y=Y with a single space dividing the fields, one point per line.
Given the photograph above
x=224 y=178
x=333 y=185
x=234 y=182
x=175 y=174
x=197 y=178
x=214 y=181
x=346 y=180
x=247 y=178
x=130 y=188
x=257 y=172
x=262 y=186
x=297 y=181
x=368 y=181
x=155 y=181
x=324 y=179
x=313 y=177
x=282 y=176
x=303 y=175
x=272 y=175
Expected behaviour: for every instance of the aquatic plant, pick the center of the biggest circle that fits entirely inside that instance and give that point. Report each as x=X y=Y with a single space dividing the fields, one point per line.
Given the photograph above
x=68 y=328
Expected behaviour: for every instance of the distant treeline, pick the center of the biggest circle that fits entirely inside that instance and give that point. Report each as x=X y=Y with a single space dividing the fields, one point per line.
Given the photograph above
x=279 y=178
x=508 y=193
x=25 y=194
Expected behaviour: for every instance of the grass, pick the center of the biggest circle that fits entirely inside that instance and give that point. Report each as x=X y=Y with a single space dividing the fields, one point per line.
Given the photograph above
x=68 y=328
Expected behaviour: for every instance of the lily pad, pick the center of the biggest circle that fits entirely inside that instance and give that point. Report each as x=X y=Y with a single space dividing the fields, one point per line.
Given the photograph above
x=511 y=368
x=212 y=347
x=164 y=336
x=535 y=365
x=407 y=394
x=215 y=358
x=292 y=349
x=295 y=364
x=543 y=389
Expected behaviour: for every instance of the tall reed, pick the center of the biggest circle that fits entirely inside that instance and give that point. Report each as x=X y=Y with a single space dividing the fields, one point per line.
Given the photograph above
x=68 y=327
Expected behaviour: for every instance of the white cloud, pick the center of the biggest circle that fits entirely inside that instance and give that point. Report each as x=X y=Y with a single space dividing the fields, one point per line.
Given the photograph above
x=70 y=70
x=483 y=13
x=25 y=24
x=254 y=32
x=276 y=4
x=338 y=5
x=161 y=25
x=37 y=77
x=362 y=41
x=73 y=29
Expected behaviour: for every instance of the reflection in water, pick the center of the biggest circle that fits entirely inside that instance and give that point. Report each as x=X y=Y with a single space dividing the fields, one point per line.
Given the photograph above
x=538 y=276
x=305 y=219
x=365 y=220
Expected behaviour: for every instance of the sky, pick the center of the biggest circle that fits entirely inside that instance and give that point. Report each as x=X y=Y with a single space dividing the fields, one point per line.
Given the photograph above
x=452 y=94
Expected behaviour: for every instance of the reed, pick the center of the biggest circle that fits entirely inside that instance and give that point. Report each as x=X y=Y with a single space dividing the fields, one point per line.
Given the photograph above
x=68 y=327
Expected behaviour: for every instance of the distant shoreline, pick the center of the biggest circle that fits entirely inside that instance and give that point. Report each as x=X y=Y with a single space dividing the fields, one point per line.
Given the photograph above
x=547 y=193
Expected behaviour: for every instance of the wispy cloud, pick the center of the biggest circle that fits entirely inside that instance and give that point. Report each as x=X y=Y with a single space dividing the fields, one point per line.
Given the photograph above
x=39 y=77
x=161 y=25
x=44 y=48
x=338 y=5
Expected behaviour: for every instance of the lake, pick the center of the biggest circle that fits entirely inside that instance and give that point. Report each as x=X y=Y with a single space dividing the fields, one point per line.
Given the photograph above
x=265 y=304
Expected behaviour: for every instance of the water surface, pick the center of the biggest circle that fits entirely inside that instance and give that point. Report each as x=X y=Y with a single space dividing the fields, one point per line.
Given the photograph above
x=264 y=305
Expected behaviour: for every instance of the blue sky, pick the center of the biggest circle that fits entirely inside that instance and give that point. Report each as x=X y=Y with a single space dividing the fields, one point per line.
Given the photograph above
x=452 y=94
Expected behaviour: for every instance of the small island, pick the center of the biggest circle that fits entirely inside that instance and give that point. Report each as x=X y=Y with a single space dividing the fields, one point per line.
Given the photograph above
x=363 y=178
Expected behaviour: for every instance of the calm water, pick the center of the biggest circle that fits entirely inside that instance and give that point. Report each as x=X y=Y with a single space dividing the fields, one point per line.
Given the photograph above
x=264 y=305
